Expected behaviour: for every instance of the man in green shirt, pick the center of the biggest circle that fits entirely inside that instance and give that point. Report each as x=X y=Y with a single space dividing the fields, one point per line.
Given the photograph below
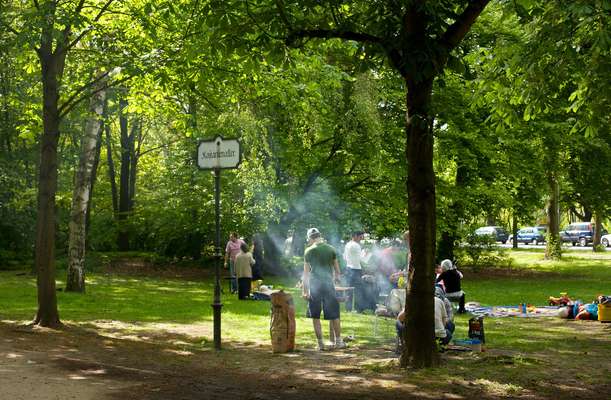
x=320 y=272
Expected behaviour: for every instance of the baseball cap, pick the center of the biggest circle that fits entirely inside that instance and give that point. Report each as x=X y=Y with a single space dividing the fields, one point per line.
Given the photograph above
x=312 y=232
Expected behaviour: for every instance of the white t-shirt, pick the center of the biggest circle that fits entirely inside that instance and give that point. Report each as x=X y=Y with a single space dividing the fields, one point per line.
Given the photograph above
x=352 y=255
x=440 y=318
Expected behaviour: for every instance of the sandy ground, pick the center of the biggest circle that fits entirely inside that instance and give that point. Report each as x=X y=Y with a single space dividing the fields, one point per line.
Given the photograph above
x=101 y=361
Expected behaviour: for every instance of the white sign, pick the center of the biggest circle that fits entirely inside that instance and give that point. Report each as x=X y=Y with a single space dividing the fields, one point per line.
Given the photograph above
x=218 y=153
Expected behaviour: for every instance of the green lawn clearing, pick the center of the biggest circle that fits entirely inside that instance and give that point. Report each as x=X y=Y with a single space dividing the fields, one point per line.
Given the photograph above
x=520 y=351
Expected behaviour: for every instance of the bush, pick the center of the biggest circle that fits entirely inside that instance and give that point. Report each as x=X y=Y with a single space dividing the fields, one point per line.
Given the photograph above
x=553 y=250
x=11 y=260
x=599 y=248
x=480 y=251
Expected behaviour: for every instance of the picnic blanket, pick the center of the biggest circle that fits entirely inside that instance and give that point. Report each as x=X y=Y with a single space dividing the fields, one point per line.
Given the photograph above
x=513 y=311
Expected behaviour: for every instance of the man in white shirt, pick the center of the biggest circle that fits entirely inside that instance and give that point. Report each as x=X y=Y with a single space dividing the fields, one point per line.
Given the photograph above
x=354 y=272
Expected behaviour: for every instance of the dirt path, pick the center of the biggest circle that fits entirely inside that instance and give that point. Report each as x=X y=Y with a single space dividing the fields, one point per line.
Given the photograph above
x=103 y=362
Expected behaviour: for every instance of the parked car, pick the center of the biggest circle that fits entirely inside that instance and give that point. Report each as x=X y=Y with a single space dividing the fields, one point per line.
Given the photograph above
x=499 y=234
x=579 y=232
x=605 y=240
x=531 y=234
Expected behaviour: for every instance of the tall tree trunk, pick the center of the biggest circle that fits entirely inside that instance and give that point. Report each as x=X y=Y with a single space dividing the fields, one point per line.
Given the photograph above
x=275 y=237
x=490 y=219
x=7 y=127
x=598 y=227
x=514 y=229
x=419 y=338
x=446 y=245
x=450 y=235
x=123 y=238
x=94 y=175
x=75 y=281
x=553 y=248
x=136 y=136
x=112 y=175
x=51 y=68
x=195 y=237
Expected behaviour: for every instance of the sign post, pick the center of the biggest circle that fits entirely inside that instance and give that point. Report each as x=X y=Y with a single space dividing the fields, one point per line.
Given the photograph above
x=218 y=154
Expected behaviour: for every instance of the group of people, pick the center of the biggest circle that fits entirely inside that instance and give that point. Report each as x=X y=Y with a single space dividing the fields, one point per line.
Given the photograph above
x=447 y=277
x=321 y=274
x=582 y=311
x=244 y=264
x=386 y=270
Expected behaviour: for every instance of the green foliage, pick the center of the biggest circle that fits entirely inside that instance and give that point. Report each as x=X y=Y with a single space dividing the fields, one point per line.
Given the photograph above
x=599 y=248
x=553 y=247
x=323 y=135
x=481 y=251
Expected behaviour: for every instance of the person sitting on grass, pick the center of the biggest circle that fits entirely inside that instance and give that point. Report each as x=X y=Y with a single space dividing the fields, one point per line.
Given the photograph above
x=580 y=311
x=451 y=277
x=441 y=294
x=400 y=325
x=442 y=333
x=444 y=326
x=243 y=269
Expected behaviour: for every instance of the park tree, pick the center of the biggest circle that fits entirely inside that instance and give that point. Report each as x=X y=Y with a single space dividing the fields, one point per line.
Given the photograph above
x=551 y=78
x=18 y=123
x=319 y=148
x=573 y=58
x=53 y=30
x=417 y=40
x=81 y=198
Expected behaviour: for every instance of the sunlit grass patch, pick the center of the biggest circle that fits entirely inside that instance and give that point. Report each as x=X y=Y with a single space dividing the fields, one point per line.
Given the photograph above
x=497 y=388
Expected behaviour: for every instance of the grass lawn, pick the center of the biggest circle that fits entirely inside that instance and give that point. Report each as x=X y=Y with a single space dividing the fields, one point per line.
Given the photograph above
x=521 y=351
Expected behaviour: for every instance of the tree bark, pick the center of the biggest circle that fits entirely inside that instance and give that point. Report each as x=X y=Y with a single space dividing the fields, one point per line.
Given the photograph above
x=75 y=281
x=94 y=175
x=51 y=68
x=123 y=238
x=136 y=136
x=445 y=248
x=514 y=230
x=112 y=175
x=419 y=350
x=553 y=248
x=598 y=227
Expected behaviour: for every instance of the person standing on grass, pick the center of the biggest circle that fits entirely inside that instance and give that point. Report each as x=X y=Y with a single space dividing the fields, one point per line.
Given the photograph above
x=231 y=251
x=243 y=270
x=320 y=272
x=354 y=272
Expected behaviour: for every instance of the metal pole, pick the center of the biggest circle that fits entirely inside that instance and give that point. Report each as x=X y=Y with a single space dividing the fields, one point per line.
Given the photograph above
x=217 y=305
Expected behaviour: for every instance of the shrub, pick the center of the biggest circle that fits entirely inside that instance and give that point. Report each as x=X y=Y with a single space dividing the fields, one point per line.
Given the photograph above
x=480 y=251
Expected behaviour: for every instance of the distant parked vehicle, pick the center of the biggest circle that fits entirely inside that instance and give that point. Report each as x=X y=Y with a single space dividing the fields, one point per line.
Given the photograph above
x=579 y=232
x=529 y=235
x=605 y=240
x=498 y=233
